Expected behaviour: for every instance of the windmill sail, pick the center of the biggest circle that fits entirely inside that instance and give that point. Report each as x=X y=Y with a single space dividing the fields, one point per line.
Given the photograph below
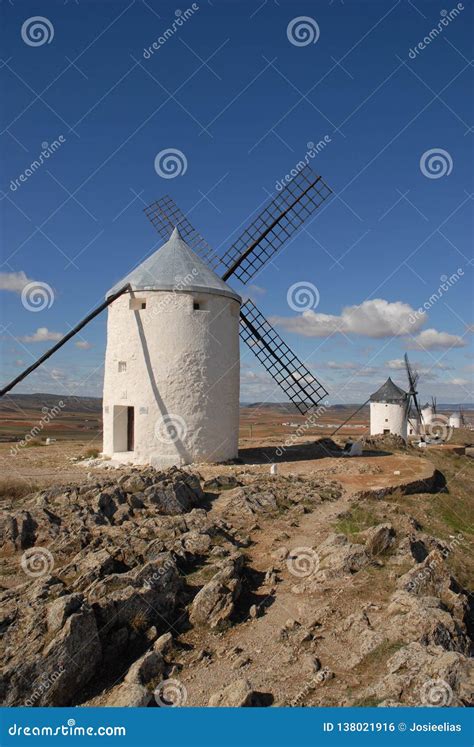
x=291 y=375
x=258 y=244
x=270 y=230
x=412 y=396
x=165 y=216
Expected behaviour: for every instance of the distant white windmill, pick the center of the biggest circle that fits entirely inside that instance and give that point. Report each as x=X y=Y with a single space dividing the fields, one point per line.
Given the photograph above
x=392 y=410
x=388 y=410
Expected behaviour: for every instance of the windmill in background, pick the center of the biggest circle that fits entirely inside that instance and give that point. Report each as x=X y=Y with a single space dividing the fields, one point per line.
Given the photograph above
x=414 y=416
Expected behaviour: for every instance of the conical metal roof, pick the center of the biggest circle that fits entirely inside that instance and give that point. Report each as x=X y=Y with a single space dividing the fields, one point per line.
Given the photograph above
x=389 y=393
x=175 y=267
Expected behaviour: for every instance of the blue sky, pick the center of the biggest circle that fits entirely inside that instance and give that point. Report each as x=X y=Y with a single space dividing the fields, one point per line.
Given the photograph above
x=232 y=92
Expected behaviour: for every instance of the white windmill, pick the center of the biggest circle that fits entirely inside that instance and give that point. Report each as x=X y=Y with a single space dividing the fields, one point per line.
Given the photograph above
x=171 y=385
x=392 y=411
x=388 y=410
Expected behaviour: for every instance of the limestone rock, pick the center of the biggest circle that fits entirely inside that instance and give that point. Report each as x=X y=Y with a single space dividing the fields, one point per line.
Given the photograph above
x=426 y=619
x=213 y=605
x=61 y=609
x=427 y=675
x=130 y=695
x=56 y=674
x=378 y=539
x=238 y=694
x=164 y=644
x=147 y=668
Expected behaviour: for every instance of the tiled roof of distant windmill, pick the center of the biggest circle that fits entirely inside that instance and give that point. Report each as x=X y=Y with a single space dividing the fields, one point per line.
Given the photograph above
x=389 y=393
x=175 y=267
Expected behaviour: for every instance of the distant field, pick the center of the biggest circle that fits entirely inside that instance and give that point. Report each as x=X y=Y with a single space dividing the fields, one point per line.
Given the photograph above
x=80 y=418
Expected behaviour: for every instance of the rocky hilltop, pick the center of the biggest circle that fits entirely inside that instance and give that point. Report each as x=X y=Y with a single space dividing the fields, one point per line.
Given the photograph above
x=148 y=588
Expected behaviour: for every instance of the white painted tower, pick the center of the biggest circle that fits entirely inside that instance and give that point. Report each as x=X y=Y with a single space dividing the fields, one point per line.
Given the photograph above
x=388 y=410
x=427 y=413
x=455 y=420
x=172 y=368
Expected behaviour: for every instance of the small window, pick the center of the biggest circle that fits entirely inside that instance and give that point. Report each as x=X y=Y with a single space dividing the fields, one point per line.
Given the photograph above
x=122 y=366
x=196 y=306
x=137 y=304
x=386 y=420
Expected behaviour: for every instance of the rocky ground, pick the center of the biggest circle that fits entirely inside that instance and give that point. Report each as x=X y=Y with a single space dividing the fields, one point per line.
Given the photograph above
x=228 y=586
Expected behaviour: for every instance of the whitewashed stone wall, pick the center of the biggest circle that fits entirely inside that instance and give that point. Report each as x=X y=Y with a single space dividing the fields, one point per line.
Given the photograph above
x=179 y=368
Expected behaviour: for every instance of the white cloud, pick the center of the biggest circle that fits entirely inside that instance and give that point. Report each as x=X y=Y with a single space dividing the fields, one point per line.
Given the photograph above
x=253 y=292
x=83 y=345
x=431 y=339
x=358 y=369
x=13 y=281
x=42 y=334
x=341 y=365
x=398 y=364
x=375 y=318
x=460 y=382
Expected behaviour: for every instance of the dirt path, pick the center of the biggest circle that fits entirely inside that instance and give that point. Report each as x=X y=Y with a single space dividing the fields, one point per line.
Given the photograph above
x=255 y=648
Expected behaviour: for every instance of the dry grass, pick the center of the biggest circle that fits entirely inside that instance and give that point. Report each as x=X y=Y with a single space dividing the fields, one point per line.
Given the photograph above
x=91 y=453
x=13 y=490
x=356 y=520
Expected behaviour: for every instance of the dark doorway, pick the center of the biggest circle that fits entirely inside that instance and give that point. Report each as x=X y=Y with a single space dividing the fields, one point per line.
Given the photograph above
x=130 y=428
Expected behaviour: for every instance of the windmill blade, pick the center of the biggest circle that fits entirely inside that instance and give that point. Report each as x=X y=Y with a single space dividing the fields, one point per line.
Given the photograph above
x=165 y=216
x=282 y=217
x=413 y=377
x=282 y=364
x=77 y=328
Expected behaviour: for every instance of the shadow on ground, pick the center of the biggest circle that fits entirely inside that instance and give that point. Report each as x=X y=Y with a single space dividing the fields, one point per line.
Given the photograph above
x=320 y=449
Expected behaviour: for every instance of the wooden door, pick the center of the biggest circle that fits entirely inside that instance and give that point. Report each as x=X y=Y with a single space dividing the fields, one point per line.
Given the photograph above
x=130 y=428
